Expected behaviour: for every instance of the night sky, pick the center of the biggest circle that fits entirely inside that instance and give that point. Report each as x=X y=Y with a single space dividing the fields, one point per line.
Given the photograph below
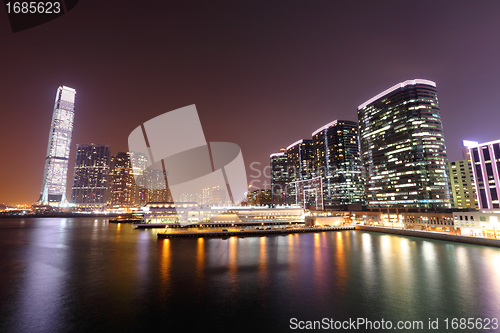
x=263 y=74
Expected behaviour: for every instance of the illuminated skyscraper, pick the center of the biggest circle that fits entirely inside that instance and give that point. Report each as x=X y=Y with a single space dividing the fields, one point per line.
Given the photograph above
x=90 y=176
x=279 y=177
x=300 y=166
x=403 y=150
x=58 y=150
x=337 y=161
x=121 y=187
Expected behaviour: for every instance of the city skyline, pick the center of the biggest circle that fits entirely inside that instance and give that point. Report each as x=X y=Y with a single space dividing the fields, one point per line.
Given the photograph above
x=275 y=69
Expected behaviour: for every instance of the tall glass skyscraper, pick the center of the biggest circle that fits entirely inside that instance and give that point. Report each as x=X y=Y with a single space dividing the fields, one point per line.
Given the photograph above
x=90 y=176
x=403 y=149
x=300 y=166
x=58 y=150
x=279 y=177
x=337 y=161
x=121 y=185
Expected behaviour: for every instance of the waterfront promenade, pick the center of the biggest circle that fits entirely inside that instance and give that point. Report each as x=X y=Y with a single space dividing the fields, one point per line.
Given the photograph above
x=433 y=235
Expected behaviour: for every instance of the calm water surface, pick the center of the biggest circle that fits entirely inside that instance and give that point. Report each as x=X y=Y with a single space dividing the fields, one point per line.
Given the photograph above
x=86 y=275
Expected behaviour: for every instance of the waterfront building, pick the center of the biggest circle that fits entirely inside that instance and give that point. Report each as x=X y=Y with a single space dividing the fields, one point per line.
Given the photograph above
x=121 y=190
x=57 y=158
x=485 y=161
x=191 y=212
x=300 y=166
x=462 y=184
x=403 y=149
x=441 y=221
x=483 y=223
x=462 y=179
x=338 y=163
x=279 y=177
x=90 y=176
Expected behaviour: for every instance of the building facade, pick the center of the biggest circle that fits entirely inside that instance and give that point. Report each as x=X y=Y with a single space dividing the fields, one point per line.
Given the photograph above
x=462 y=184
x=259 y=198
x=337 y=161
x=403 y=148
x=279 y=177
x=300 y=166
x=57 y=158
x=192 y=212
x=90 y=176
x=121 y=185
x=485 y=160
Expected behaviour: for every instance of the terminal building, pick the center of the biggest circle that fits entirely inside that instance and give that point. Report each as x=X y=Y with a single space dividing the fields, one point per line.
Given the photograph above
x=184 y=213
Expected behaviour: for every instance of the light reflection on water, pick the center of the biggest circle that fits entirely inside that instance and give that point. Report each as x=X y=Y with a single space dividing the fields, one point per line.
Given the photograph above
x=87 y=274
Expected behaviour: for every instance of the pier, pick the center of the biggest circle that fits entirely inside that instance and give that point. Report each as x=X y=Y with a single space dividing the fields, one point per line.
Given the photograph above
x=163 y=235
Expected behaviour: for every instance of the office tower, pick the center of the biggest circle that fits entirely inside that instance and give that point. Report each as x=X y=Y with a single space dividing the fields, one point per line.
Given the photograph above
x=56 y=162
x=90 y=175
x=300 y=166
x=121 y=185
x=403 y=149
x=485 y=160
x=279 y=176
x=337 y=161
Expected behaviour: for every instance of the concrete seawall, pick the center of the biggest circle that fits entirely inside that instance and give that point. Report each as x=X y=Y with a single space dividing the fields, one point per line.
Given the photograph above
x=433 y=235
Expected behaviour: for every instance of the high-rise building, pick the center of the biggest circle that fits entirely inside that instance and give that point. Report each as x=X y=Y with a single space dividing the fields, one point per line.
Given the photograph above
x=462 y=179
x=485 y=160
x=462 y=184
x=139 y=164
x=90 y=176
x=121 y=185
x=337 y=161
x=300 y=166
x=56 y=162
x=403 y=149
x=279 y=177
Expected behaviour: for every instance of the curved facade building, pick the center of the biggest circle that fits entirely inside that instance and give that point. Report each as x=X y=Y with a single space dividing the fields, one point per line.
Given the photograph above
x=403 y=149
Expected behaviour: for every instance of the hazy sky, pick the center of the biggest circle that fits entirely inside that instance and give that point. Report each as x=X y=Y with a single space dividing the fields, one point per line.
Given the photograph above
x=262 y=74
